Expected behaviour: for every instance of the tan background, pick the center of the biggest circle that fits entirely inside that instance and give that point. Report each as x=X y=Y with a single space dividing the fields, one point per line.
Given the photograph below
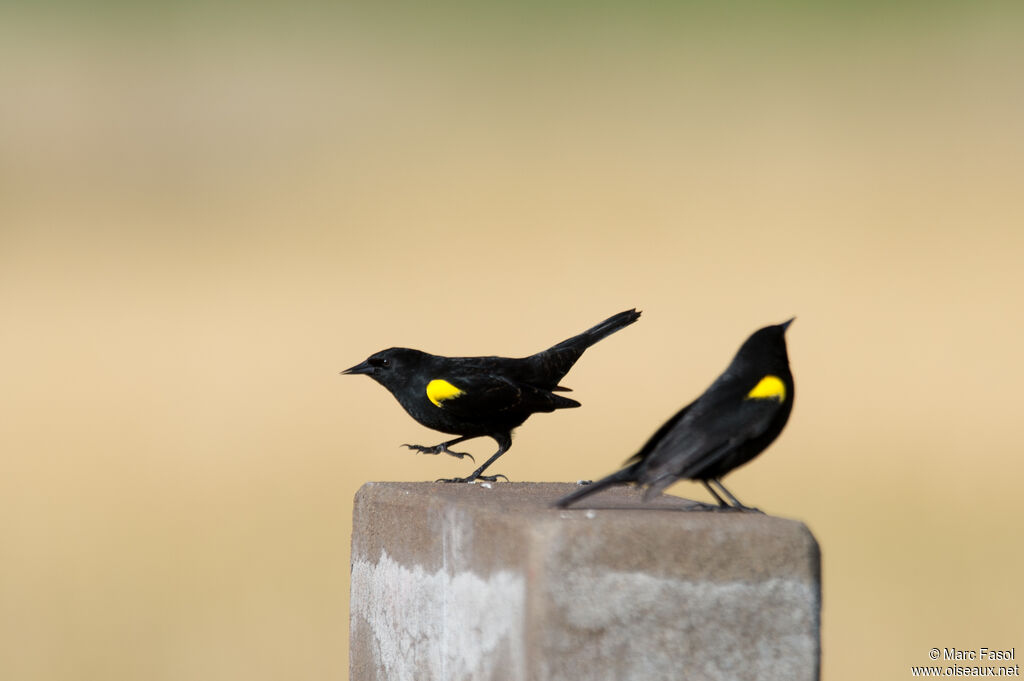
x=206 y=214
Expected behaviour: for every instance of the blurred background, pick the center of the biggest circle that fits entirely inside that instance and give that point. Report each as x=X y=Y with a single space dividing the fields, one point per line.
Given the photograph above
x=207 y=211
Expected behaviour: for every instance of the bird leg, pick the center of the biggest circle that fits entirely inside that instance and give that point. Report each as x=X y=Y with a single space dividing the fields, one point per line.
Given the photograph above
x=736 y=503
x=504 y=442
x=721 y=502
x=443 y=449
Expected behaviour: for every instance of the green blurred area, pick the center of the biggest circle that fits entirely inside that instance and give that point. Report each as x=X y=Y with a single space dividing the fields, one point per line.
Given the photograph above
x=207 y=211
x=564 y=20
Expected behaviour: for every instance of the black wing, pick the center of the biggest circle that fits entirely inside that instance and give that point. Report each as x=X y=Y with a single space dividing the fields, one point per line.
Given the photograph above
x=706 y=432
x=659 y=435
x=485 y=396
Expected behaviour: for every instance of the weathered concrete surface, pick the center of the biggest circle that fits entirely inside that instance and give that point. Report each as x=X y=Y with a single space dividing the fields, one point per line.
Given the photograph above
x=487 y=581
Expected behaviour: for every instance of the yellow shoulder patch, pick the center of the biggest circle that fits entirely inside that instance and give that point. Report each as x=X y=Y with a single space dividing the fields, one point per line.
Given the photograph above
x=769 y=387
x=440 y=390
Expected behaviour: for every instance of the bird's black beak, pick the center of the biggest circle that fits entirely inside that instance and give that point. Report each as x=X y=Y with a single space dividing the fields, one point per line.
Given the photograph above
x=785 y=325
x=361 y=368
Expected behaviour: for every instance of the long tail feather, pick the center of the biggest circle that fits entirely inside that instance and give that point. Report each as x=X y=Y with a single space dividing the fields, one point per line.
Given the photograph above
x=554 y=363
x=609 y=326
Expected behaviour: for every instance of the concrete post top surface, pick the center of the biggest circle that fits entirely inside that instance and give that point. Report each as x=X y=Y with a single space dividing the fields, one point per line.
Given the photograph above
x=528 y=498
x=615 y=527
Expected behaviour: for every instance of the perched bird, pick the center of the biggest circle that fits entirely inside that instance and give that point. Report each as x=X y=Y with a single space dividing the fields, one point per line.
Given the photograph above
x=481 y=396
x=736 y=418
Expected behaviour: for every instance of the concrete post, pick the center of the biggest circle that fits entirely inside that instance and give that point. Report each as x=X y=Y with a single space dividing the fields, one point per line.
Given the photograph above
x=487 y=581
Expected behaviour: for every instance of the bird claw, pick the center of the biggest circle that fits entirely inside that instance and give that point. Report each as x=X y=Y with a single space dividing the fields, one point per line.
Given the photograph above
x=484 y=478
x=702 y=507
x=734 y=509
x=439 y=449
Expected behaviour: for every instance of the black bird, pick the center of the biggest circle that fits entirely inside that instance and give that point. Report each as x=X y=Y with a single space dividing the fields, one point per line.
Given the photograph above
x=736 y=418
x=481 y=396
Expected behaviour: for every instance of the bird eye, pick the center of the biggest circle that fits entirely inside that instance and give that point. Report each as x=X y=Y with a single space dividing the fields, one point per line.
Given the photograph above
x=385 y=362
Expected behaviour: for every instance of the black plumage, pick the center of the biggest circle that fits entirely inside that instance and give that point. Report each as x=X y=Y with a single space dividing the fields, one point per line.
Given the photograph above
x=733 y=421
x=481 y=396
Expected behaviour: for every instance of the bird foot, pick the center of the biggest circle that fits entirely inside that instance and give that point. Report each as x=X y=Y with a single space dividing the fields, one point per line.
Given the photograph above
x=749 y=509
x=702 y=507
x=440 y=449
x=484 y=478
x=734 y=509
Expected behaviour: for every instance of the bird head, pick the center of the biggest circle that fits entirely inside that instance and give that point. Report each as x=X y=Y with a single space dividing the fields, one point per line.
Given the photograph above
x=767 y=343
x=389 y=367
